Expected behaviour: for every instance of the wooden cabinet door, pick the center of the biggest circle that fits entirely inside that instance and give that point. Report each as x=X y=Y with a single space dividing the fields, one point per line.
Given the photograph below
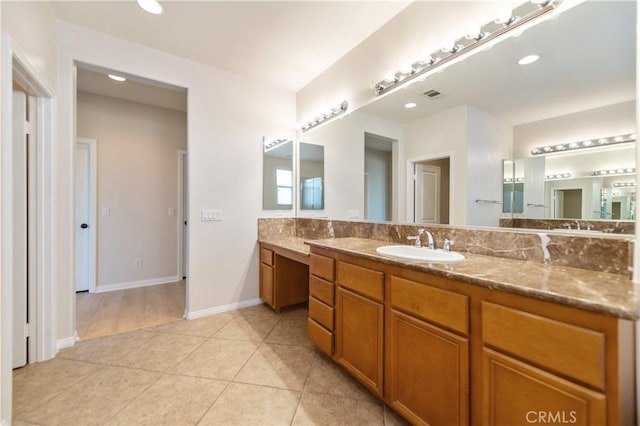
x=516 y=393
x=266 y=283
x=359 y=342
x=428 y=372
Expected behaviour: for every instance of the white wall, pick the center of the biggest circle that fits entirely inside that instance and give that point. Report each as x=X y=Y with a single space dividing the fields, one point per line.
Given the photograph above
x=33 y=26
x=422 y=26
x=138 y=181
x=489 y=141
x=228 y=115
x=443 y=134
x=609 y=120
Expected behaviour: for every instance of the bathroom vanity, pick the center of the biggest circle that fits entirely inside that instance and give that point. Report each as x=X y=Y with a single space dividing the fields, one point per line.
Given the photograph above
x=488 y=340
x=443 y=345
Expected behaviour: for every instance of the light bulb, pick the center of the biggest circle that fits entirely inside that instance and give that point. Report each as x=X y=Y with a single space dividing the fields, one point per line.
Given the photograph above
x=151 y=6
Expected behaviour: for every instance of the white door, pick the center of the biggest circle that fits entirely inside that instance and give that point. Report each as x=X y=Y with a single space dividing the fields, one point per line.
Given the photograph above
x=185 y=215
x=83 y=216
x=19 y=237
x=427 y=193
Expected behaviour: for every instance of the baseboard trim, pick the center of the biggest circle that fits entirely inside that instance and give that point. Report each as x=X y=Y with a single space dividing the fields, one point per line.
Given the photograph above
x=135 y=284
x=224 y=308
x=67 y=342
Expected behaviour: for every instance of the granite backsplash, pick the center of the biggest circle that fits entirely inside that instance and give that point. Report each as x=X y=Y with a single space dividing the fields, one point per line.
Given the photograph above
x=607 y=226
x=597 y=253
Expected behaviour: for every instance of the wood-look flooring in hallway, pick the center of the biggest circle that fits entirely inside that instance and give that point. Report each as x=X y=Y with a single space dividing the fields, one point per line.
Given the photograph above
x=103 y=314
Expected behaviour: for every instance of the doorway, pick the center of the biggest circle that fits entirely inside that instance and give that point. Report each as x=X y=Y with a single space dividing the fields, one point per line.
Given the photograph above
x=431 y=190
x=130 y=203
x=378 y=177
x=568 y=203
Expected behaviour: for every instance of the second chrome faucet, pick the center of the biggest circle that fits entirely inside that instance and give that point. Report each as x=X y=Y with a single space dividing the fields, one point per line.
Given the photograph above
x=418 y=239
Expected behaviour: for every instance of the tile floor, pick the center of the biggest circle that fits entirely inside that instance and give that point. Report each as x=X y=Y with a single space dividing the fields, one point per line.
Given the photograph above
x=247 y=367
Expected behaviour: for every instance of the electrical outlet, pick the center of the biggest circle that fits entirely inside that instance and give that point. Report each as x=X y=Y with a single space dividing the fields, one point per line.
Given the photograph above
x=137 y=262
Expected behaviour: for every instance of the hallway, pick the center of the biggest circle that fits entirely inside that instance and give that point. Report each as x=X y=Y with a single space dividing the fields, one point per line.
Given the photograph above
x=103 y=314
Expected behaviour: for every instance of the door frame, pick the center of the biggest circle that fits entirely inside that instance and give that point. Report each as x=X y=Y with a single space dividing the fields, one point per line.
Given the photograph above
x=410 y=193
x=182 y=215
x=16 y=66
x=93 y=209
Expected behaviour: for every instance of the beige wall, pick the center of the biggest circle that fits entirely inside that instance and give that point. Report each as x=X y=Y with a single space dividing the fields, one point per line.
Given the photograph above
x=138 y=182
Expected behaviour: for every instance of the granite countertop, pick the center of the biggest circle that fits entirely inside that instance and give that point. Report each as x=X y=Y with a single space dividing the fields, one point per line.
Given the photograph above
x=611 y=294
x=291 y=243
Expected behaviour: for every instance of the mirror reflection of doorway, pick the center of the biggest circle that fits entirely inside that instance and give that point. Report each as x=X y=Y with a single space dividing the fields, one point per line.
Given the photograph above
x=378 y=177
x=616 y=209
x=568 y=203
x=431 y=191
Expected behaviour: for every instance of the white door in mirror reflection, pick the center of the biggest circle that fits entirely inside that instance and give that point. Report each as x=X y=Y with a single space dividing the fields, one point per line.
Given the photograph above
x=427 y=193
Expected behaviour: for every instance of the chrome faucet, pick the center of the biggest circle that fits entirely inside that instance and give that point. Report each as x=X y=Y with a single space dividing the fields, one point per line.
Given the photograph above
x=417 y=241
x=567 y=225
x=577 y=224
x=431 y=245
x=447 y=245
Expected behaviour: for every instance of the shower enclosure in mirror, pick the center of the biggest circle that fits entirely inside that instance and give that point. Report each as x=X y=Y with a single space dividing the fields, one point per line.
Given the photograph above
x=311 y=176
x=277 y=177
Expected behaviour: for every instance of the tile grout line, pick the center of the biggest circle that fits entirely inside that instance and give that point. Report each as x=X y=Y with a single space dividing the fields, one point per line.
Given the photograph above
x=306 y=381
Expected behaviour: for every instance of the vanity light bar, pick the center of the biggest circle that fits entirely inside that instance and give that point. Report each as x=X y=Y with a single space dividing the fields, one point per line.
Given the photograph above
x=511 y=180
x=318 y=120
x=510 y=21
x=621 y=171
x=270 y=144
x=589 y=143
x=624 y=184
x=559 y=176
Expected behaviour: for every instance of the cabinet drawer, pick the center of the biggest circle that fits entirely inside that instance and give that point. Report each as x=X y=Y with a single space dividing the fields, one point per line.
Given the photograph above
x=322 y=290
x=322 y=338
x=322 y=266
x=266 y=256
x=321 y=313
x=564 y=348
x=361 y=280
x=440 y=306
x=516 y=393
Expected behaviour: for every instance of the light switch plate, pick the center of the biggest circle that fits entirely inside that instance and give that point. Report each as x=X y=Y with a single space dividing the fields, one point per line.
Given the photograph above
x=171 y=211
x=209 y=215
x=106 y=211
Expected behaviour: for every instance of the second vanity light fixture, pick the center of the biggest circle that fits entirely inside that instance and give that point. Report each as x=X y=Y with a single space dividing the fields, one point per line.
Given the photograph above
x=274 y=143
x=324 y=117
x=590 y=143
x=559 y=176
x=609 y=172
x=510 y=20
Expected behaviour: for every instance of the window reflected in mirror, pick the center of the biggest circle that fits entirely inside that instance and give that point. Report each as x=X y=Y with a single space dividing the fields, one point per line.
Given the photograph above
x=311 y=176
x=277 y=178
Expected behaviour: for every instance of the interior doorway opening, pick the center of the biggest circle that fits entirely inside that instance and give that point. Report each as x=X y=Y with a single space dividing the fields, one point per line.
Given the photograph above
x=378 y=177
x=131 y=222
x=568 y=203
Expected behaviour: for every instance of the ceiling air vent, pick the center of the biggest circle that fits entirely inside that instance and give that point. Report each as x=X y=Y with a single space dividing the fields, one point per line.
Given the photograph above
x=433 y=94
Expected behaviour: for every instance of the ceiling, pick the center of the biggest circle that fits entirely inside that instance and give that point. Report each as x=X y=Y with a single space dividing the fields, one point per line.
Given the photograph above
x=284 y=43
x=587 y=60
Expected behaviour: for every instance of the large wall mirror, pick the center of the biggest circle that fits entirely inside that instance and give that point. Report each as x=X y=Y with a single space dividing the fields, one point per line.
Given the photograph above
x=488 y=108
x=277 y=176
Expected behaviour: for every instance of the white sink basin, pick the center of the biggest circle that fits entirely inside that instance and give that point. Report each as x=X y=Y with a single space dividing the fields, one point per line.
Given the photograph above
x=421 y=254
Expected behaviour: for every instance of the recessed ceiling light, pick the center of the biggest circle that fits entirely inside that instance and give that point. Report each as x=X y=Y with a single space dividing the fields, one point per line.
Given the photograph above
x=151 y=6
x=116 y=77
x=528 y=59
x=410 y=105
